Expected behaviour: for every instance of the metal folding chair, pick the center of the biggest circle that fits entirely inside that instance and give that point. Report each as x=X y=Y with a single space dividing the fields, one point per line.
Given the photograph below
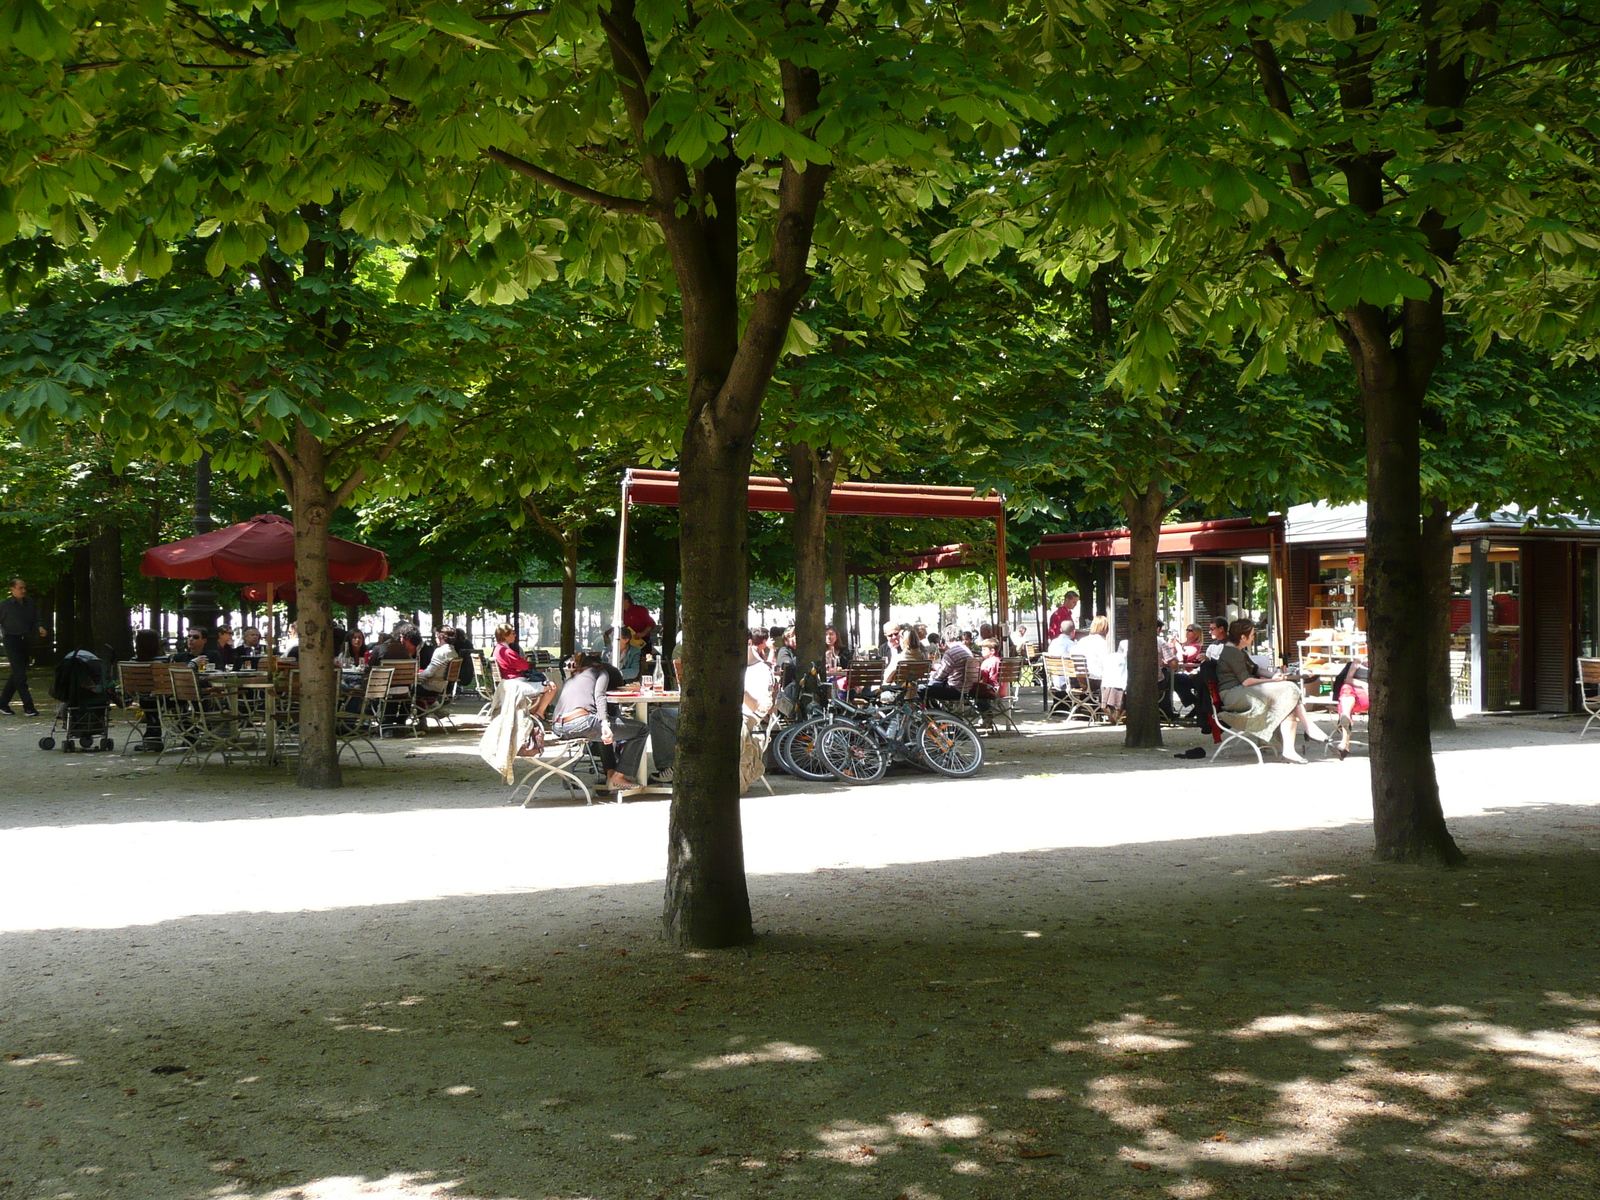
x=1003 y=705
x=398 y=712
x=1223 y=733
x=435 y=706
x=1589 y=690
x=367 y=720
x=135 y=682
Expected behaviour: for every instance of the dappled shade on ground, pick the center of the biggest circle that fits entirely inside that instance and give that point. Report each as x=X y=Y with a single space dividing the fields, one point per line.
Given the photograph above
x=1238 y=1016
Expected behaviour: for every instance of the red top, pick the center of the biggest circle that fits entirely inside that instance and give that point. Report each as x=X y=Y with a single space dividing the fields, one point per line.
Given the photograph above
x=637 y=618
x=1061 y=616
x=512 y=665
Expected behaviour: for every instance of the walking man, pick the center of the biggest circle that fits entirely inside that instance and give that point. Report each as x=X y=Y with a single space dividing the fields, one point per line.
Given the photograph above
x=19 y=621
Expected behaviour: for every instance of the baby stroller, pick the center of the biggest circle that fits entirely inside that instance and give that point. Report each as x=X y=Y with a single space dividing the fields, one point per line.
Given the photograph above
x=84 y=695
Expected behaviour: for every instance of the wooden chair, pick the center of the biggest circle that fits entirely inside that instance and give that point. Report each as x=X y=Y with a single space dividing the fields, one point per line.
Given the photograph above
x=863 y=677
x=367 y=720
x=136 y=683
x=1589 y=690
x=1057 y=690
x=435 y=706
x=166 y=705
x=1085 y=689
x=1003 y=705
x=206 y=725
x=397 y=713
x=910 y=675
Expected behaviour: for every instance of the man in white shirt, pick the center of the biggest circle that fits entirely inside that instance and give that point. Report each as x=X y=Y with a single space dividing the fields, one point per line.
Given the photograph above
x=1219 y=638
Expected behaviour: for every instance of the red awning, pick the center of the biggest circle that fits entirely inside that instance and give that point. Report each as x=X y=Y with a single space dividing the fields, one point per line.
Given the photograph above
x=260 y=550
x=1194 y=537
x=768 y=494
x=343 y=593
x=938 y=559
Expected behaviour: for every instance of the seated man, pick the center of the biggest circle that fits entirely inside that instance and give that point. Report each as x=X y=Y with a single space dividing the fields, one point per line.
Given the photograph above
x=194 y=650
x=956 y=672
x=514 y=666
x=582 y=711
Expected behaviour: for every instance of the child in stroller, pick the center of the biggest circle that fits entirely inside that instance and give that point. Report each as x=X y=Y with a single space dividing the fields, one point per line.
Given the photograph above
x=84 y=696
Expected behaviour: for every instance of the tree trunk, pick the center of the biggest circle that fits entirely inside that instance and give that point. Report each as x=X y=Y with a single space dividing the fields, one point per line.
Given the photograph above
x=82 y=628
x=112 y=634
x=312 y=506
x=811 y=478
x=1408 y=822
x=436 y=602
x=569 y=595
x=1144 y=510
x=885 y=600
x=155 y=540
x=669 y=623
x=1438 y=553
x=707 y=902
x=839 y=574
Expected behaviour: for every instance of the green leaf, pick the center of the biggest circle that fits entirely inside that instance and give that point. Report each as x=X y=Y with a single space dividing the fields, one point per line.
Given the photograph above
x=293 y=233
x=29 y=26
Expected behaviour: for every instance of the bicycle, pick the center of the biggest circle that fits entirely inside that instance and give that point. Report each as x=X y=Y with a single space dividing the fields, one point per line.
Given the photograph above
x=898 y=729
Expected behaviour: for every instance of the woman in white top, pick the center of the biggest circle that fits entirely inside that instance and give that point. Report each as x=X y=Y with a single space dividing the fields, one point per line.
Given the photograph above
x=907 y=649
x=432 y=678
x=1093 y=647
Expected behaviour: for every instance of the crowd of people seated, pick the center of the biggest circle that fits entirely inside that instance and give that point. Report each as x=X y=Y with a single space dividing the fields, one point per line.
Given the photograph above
x=962 y=663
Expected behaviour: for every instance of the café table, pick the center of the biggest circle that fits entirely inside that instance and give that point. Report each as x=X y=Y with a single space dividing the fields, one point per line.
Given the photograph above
x=641 y=701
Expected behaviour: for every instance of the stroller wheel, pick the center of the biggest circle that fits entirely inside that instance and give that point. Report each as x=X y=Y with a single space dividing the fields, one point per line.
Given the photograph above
x=107 y=744
x=87 y=741
x=47 y=743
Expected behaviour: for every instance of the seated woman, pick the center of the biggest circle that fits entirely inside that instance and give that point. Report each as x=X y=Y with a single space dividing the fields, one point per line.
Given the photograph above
x=836 y=657
x=452 y=647
x=228 y=656
x=582 y=711
x=1268 y=704
x=907 y=648
x=1350 y=689
x=513 y=666
x=1114 y=681
x=353 y=657
x=1093 y=647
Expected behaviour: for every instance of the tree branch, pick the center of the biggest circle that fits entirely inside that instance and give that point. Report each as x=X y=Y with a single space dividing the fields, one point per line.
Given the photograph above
x=219 y=42
x=359 y=475
x=1271 y=74
x=621 y=204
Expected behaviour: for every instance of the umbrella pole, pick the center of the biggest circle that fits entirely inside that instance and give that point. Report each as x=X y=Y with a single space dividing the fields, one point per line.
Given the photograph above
x=617 y=639
x=272 y=608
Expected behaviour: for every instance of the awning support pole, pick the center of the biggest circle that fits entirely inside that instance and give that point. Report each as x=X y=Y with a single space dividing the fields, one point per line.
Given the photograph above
x=1002 y=599
x=617 y=639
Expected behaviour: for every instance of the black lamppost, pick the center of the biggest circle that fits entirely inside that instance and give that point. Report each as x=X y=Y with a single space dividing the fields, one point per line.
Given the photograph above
x=202 y=611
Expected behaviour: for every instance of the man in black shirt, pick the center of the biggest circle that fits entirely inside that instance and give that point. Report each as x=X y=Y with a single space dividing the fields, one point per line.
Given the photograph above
x=19 y=621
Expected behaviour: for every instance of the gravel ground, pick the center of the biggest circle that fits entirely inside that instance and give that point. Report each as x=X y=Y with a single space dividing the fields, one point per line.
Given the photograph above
x=1084 y=973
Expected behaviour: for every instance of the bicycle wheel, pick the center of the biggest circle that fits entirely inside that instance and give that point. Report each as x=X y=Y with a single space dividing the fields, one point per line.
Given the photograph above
x=798 y=751
x=949 y=746
x=853 y=754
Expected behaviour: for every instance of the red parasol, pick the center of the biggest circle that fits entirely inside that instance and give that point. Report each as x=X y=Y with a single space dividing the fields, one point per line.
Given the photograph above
x=343 y=593
x=260 y=550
